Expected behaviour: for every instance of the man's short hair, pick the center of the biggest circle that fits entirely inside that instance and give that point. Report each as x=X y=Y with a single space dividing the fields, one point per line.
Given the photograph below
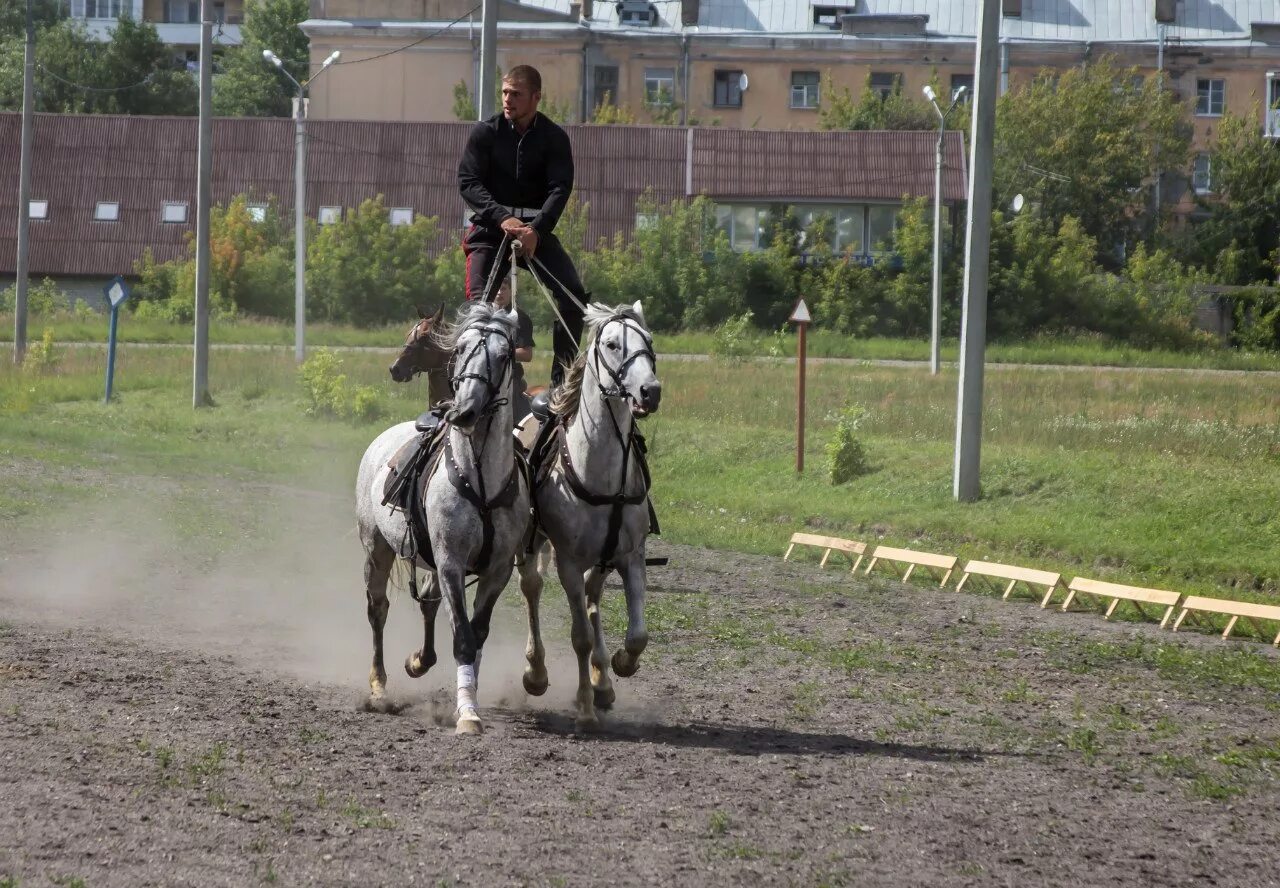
x=526 y=74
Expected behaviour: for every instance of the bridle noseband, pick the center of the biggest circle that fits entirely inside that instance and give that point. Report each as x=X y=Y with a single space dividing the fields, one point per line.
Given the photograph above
x=619 y=389
x=494 y=388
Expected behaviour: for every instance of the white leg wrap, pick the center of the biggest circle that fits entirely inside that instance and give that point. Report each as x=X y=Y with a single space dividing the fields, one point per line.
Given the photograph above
x=467 y=690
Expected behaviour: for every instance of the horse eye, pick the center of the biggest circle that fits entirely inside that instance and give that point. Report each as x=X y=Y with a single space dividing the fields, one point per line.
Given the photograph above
x=612 y=346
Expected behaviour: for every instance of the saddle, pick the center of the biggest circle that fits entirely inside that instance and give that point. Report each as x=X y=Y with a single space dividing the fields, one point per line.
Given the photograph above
x=411 y=465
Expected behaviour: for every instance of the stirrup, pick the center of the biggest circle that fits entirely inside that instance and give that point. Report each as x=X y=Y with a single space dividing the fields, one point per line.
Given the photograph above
x=540 y=405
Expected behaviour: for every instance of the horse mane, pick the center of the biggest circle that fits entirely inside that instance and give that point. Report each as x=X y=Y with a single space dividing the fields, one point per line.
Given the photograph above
x=445 y=335
x=565 y=399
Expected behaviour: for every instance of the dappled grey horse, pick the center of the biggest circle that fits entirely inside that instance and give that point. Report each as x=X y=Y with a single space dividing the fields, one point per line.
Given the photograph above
x=475 y=498
x=593 y=502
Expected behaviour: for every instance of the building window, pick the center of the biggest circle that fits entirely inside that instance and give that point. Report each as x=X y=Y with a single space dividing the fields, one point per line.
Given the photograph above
x=804 y=89
x=962 y=80
x=38 y=209
x=604 y=85
x=881 y=221
x=1210 y=97
x=101 y=9
x=659 y=86
x=330 y=215
x=258 y=212
x=174 y=212
x=645 y=221
x=1202 y=175
x=637 y=12
x=886 y=83
x=829 y=16
x=728 y=89
x=401 y=215
x=107 y=211
x=182 y=11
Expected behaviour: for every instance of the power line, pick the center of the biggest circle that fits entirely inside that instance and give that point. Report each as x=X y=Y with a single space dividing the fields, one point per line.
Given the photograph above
x=435 y=33
x=102 y=89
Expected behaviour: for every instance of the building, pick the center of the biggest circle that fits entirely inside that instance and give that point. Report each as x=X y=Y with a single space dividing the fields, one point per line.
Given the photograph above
x=106 y=189
x=763 y=63
x=177 y=22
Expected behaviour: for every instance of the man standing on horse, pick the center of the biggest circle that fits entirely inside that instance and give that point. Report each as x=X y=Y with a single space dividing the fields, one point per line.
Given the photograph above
x=516 y=175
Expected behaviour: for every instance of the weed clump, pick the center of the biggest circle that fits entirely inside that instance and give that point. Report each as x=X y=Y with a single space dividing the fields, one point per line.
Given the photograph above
x=846 y=454
x=329 y=394
x=733 y=340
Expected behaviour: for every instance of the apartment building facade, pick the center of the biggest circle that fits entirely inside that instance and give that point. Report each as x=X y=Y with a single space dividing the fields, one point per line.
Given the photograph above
x=177 y=22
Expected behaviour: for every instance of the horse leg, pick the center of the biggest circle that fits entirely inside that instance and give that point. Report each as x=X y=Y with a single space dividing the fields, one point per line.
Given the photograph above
x=601 y=686
x=580 y=634
x=378 y=560
x=627 y=660
x=452 y=580
x=488 y=589
x=535 y=677
x=417 y=663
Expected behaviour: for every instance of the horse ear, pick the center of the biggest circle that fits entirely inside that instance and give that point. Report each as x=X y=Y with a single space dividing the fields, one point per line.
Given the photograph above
x=639 y=311
x=421 y=313
x=439 y=315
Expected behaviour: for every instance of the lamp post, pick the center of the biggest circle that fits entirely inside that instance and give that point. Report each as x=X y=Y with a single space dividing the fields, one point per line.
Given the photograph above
x=299 y=198
x=936 y=327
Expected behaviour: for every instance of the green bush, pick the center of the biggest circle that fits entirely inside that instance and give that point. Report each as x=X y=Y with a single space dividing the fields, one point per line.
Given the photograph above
x=846 y=454
x=328 y=393
x=735 y=339
x=42 y=358
x=44 y=298
x=1257 y=317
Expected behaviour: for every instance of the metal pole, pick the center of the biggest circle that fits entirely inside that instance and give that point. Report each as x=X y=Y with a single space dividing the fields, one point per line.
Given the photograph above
x=1160 y=36
x=488 y=58
x=801 y=350
x=300 y=226
x=24 y=192
x=111 y=351
x=973 y=333
x=934 y=356
x=204 y=196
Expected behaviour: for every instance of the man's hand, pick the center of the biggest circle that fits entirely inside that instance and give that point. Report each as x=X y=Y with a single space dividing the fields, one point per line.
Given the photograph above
x=513 y=226
x=528 y=242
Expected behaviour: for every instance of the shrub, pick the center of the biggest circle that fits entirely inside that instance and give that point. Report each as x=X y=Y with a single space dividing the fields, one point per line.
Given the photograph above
x=734 y=339
x=43 y=299
x=42 y=357
x=328 y=393
x=846 y=455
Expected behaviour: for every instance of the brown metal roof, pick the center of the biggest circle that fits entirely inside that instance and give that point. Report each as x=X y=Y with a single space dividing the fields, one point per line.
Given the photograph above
x=144 y=161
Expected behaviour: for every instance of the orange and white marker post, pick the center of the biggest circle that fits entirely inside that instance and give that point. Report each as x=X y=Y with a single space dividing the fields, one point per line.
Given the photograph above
x=801 y=318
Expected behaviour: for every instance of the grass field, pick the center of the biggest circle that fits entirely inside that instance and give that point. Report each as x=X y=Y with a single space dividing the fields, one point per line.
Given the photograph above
x=1049 y=350
x=1156 y=479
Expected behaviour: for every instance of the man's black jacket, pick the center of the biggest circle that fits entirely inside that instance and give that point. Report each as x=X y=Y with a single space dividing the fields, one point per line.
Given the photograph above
x=502 y=169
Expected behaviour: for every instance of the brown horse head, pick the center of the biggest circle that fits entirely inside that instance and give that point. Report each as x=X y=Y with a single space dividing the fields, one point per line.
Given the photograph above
x=421 y=353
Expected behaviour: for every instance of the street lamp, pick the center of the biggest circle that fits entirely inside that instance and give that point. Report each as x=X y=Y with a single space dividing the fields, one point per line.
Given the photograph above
x=299 y=197
x=932 y=96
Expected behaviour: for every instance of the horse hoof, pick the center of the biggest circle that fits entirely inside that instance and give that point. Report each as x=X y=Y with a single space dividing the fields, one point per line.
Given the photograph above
x=534 y=687
x=471 y=725
x=586 y=725
x=414 y=665
x=621 y=667
x=604 y=697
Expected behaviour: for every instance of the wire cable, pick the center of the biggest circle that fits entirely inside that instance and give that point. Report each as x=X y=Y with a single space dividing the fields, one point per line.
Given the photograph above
x=420 y=40
x=102 y=89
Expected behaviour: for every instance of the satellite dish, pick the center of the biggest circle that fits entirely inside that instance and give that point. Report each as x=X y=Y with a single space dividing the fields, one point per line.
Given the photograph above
x=1018 y=203
x=743 y=82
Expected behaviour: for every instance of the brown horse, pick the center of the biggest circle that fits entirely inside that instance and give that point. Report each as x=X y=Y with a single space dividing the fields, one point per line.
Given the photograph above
x=422 y=354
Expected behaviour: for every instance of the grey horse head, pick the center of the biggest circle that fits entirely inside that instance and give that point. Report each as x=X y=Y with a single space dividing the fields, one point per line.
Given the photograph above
x=482 y=342
x=621 y=353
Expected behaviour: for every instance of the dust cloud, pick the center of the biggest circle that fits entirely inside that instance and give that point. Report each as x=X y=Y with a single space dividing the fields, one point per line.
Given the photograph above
x=292 y=606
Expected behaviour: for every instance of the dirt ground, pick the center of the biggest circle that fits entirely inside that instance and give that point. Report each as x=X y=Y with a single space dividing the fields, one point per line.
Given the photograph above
x=174 y=721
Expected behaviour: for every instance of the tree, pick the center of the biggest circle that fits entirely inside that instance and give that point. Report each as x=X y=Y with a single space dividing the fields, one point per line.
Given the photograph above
x=132 y=73
x=1088 y=145
x=872 y=111
x=1240 y=238
x=249 y=85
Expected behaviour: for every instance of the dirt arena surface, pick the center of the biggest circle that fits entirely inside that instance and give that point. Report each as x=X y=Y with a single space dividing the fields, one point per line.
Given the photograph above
x=166 y=721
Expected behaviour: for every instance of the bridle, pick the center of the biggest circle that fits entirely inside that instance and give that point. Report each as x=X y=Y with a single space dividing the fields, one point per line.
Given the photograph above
x=619 y=389
x=419 y=341
x=493 y=402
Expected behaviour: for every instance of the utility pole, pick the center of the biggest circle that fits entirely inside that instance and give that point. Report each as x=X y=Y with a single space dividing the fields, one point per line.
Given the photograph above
x=300 y=102
x=204 y=195
x=936 y=328
x=24 y=191
x=488 y=58
x=973 y=331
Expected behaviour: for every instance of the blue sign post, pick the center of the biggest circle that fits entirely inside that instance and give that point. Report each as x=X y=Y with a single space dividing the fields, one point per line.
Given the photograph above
x=116 y=292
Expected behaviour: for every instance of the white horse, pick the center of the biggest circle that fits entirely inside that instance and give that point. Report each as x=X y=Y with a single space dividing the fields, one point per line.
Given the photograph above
x=476 y=500
x=593 y=503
